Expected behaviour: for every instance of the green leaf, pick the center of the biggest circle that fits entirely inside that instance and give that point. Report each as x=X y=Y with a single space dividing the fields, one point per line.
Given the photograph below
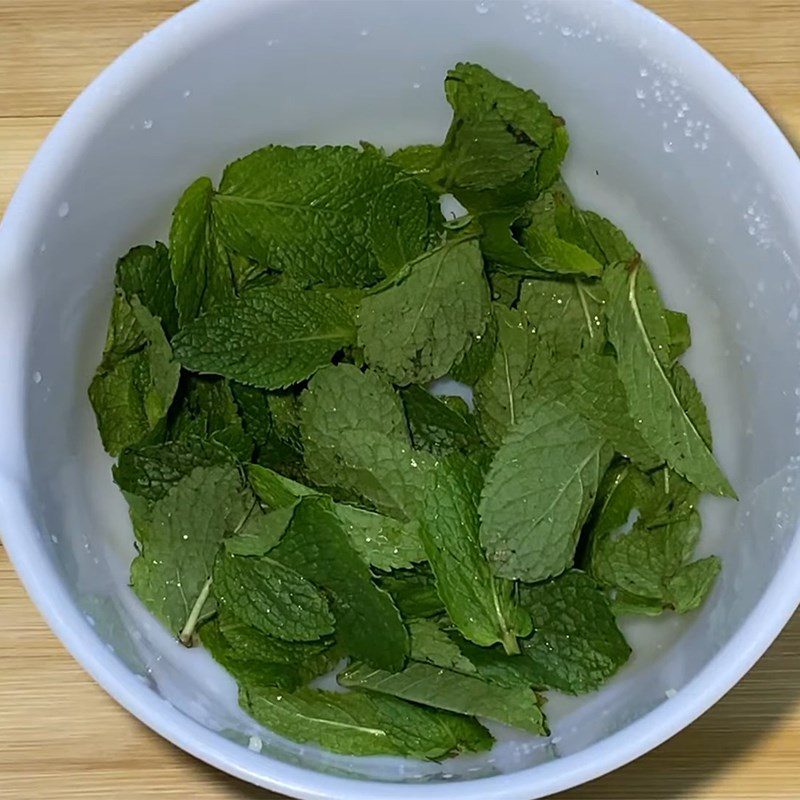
x=205 y=409
x=502 y=391
x=269 y=337
x=494 y=665
x=254 y=410
x=367 y=623
x=321 y=214
x=414 y=592
x=478 y=357
x=690 y=585
x=406 y=221
x=643 y=565
x=639 y=332
x=481 y=606
x=570 y=314
x=137 y=378
x=179 y=537
x=577 y=645
x=591 y=232
x=357 y=723
x=260 y=532
x=589 y=384
x=356 y=441
x=245 y=671
x=431 y=645
x=144 y=271
x=436 y=426
x=434 y=308
x=680 y=335
x=538 y=492
x=422 y=161
x=152 y=470
x=199 y=264
x=383 y=542
x=271 y=597
x=552 y=254
x=452 y=691
x=497 y=130
x=255 y=660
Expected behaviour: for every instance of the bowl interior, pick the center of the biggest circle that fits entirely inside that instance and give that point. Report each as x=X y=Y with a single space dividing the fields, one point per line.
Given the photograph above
x=653 y=148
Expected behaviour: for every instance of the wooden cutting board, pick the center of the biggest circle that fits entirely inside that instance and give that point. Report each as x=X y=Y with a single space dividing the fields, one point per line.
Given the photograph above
x=62 y=737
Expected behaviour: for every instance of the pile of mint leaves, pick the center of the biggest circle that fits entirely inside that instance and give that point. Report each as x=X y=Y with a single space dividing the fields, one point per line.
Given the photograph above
x=302 y=502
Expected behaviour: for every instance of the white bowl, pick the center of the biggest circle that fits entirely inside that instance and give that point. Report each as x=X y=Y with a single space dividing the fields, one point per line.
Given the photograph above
x=664 y=141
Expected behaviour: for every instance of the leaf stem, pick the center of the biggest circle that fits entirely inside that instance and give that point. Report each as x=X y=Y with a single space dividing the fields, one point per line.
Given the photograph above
x=510 y=644
x=186 y=635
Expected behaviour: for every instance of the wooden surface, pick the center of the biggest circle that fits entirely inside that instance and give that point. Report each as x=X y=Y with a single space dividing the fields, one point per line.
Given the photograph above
x=61 y=736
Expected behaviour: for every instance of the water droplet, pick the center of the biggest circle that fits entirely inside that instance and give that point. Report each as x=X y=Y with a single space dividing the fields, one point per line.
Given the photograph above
x=644 y=72
x=63 y=209
x=364 y=32
x=641 y=94
x=669 y=147
x=186 y=93
x=761 y=286
x=482 y=8
x=566 y=31
x=415 y=85
x=53 y=538
x=37 y=377
x=147 y=124
x=42 y=247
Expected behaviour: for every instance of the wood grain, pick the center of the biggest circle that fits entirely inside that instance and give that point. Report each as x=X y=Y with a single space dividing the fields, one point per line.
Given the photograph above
x=62 y=737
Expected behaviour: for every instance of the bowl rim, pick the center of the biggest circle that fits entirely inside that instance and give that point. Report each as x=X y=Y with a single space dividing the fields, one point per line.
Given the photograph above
x=23 y=541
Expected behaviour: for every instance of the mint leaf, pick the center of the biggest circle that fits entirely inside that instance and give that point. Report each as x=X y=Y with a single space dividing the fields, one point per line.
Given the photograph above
x=431 y=645
x=137 y=378
x=357 y=442
x=422 y=161
x=552 y=254
x=497 y=130
x=481 y=606
x=689 y=586
x=268 y=337
x=199 y=264
x=503 y=390
x=406 y=221
x=493 y=665
x=434 y=307
x=680 y=335
x=205 y=409
x=437 y=427
x=151 y=471
x=577 y=645
x=640 y=335
x=478 y=356
x=245 y=671
x=144 y=271
x=383 y=542
x=647 y=567
x=179 y=537
x=254 y=411
x=256 y=660
x=260 y=532
x=363 y=724
x=312 y=213
x=569 y=314
x=367 y=623
x=538 y=492
x=414 y=592
x=591 y=232
x=452 y=691
x=271 y=597
x=590 y=385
